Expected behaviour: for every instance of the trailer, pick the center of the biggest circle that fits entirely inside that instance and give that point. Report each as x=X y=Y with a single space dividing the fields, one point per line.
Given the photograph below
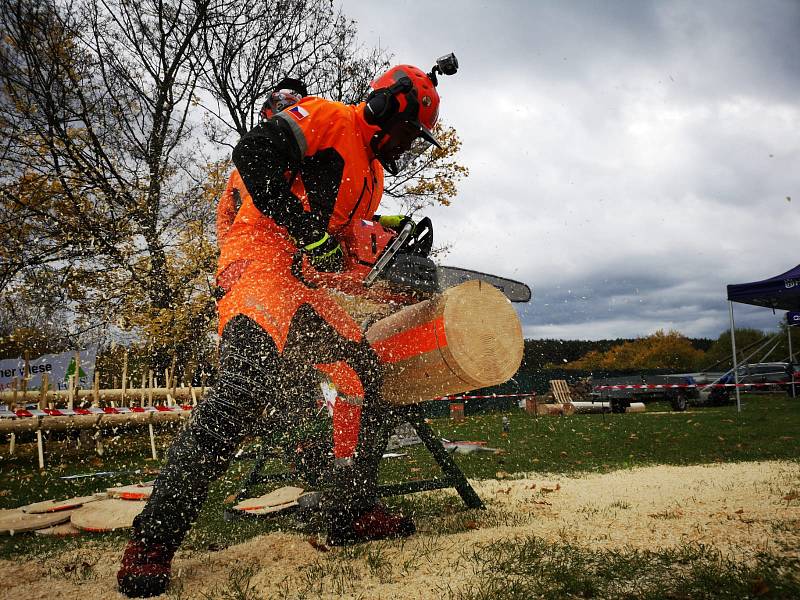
x=620 y=392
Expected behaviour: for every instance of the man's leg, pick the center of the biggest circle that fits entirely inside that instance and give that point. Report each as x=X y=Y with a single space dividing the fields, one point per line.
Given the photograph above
x=312 y=341
x=201 y=453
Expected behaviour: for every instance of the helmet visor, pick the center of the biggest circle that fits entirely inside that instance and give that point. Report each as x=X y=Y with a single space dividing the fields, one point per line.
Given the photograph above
x=402 y=145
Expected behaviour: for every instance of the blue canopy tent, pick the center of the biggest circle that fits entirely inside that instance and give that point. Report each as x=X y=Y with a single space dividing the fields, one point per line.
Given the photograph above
x=781 y=292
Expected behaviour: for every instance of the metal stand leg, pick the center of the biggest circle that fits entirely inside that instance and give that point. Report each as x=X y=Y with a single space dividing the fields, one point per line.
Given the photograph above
x=453 y=476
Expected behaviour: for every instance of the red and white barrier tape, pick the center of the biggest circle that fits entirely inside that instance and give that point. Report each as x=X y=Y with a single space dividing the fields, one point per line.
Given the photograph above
x=665 y=386
x=487 y=396
x=66 y=412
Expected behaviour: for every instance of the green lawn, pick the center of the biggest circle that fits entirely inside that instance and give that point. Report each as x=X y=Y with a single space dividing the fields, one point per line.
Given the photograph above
x=768 y=428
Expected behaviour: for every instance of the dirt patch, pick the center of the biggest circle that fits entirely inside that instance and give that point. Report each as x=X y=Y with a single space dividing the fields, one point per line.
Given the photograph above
x=739 y=508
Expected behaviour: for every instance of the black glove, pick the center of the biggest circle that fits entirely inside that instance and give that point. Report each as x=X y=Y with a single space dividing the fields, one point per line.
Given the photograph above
x=325 y=254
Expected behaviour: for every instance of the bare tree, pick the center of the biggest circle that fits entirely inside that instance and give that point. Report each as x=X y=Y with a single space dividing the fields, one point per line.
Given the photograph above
x=253 y=44
x=96 y=98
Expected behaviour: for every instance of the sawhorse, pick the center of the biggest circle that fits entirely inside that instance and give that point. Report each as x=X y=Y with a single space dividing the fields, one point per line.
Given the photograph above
x=452 y=476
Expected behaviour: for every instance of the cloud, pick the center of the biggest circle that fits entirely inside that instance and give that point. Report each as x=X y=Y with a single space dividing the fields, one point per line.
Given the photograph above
x=628 y=159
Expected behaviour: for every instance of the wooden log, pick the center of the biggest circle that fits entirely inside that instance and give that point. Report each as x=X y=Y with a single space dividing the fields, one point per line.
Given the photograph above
x=99 y=421
x=468 y=337
x=45 y=387
x=124 y=377
x=555 y=409
x=591 y=407
x=107 y=394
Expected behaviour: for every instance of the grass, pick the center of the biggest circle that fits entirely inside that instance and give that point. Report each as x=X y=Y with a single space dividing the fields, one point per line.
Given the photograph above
x=530 y=568
x=767 y=429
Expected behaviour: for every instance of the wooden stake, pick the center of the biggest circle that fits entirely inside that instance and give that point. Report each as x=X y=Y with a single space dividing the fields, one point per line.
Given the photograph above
x=77 y=369
x=96 y=389
x=43 y=391
x=26 y=373
x=152 y=441
x=40 y=447
x=14 y=392
x=71 y=391
x=124 y=376
x=150 y=390
x=12 y=444
x=143 y=386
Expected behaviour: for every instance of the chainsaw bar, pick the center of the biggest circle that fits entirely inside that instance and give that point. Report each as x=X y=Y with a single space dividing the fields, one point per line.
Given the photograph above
x=516 y=291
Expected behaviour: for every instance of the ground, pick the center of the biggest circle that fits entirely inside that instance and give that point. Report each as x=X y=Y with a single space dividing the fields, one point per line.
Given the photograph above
x=740 y=509
x=713 y=530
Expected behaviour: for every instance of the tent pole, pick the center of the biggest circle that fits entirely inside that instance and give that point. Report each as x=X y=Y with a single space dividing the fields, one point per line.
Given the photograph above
x=735 y=366
x=791 y=359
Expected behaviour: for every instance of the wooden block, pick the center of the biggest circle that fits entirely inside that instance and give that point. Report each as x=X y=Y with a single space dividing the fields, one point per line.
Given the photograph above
x=106 y=515
x=137 y=491
x=57 y=505
x=16 y=521
x=549 y=409
x=63 y=530
x=467 y=338
x=279 y=498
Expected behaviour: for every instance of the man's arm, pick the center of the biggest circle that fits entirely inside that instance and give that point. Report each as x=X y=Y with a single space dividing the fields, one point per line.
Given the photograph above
x=263 y=156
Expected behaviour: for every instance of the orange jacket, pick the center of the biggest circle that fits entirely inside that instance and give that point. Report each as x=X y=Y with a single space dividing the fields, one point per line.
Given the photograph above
x=306 y=171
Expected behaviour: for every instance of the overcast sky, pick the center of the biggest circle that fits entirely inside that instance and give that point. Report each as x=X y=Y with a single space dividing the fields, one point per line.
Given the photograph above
x=627 y=159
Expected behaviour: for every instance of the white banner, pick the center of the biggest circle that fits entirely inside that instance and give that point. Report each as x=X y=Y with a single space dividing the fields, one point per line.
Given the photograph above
x=57 y=366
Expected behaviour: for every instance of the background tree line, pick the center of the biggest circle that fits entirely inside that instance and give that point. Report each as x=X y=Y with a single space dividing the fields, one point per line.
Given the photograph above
x=117 y=119
x=661 y=350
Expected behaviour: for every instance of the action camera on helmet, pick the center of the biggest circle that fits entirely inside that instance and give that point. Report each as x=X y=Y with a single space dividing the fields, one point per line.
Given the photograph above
x=445 y=65
x=404 y=104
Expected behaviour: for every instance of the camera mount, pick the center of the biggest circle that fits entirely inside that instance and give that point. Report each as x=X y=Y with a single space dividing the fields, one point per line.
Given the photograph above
x=445 y=65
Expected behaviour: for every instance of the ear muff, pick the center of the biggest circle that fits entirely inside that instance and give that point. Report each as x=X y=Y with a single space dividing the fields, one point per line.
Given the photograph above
x=379 y=107
x=382 y=105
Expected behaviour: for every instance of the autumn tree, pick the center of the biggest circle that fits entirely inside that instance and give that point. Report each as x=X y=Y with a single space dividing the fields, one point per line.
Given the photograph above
x=718 y=357
x=661 y=350
x=107 y=187
x=314 y=41
x=97 y=164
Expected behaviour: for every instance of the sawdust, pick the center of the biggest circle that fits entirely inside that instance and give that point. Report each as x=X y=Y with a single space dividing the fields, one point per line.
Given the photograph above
x=742 y=508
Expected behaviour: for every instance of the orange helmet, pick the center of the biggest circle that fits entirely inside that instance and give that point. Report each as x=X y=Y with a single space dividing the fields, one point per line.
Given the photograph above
x=404 y=94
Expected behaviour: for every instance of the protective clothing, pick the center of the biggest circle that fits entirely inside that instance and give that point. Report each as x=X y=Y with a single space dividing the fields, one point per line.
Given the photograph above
x=306 y=172
x=301 y=176
x=395 y=222
x=288 y=91
x=404 y=104
x=145 y=569
x=326 y=254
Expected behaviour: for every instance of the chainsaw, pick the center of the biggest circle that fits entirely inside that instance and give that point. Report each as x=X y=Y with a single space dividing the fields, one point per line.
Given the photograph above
x=389 y=265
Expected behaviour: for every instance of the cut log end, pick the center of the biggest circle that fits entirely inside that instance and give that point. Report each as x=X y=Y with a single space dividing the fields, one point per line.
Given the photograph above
x=467 y=338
